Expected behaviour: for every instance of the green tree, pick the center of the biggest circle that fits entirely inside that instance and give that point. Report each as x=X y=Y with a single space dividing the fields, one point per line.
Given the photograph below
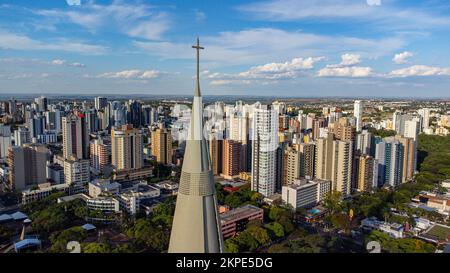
x=149 y=236
x=51 y=219
x=278 y=248
x=342 y=221
x=403 y=245
x=124 y=248
x=59 y=240
x=276 y=229
x=333 y=202
x=276 y=213
x=260 y=234
x=231 y=246
x=97 y=248
x=234 y=200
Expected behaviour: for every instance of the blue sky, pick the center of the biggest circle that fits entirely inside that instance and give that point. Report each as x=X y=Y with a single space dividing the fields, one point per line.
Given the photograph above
x=355 y=48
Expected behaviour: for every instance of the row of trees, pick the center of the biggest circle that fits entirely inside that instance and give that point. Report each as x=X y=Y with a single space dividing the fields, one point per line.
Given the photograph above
x=404 y=245
x=48 y=216
x=152 y=234
x=239 y=198
x=300 y=241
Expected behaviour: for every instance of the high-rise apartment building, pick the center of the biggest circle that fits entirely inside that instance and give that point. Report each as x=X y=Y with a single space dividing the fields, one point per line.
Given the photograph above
x=36 y=125
x=412 y=128
x=126 y=148
x=100 y=103
x=100 y=154
x=162 y=145
x=409 y=157
x=324 y=157
x=28 y=165
x=21 y=136
x=5 y=140
x=367 y=173
x=291 y=165
x=215 y=146
x=134 y=113
x=75 y=136
x=390 y=155
x=238 y=123
x=365 y=143
x=341 y=176
x=53 y=120
x=264 y=150
x=425 y=115
x=42 y=103
x=358 y=109
x=150 y=115
x=307 y=159
x=342 y=130
x=231 y=165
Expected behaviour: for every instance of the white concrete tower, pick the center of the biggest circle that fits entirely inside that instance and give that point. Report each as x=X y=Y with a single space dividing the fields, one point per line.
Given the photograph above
x=196 y=225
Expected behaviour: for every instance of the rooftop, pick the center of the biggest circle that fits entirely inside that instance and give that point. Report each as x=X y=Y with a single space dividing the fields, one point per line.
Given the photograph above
x=240 y=212
x=73 y=197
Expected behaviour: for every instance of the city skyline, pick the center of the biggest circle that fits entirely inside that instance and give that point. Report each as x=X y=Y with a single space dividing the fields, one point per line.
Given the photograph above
x=256 y=47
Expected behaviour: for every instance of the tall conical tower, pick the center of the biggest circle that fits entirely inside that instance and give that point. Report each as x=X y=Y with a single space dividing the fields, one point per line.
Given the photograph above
x=196 y=225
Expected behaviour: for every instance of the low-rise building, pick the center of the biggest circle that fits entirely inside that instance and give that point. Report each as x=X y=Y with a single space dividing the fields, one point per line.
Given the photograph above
x=168 y=186
x=304 y=193
x=394 y=230
x=438 y=202
x=103 y=186
x=131 y=197
x=422 y=223
x=236 y=220
x=43 y=190
x=135 y=174
x=105 y=204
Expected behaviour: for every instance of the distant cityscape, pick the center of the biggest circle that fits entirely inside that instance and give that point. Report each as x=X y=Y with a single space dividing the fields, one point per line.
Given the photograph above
x=291 y=175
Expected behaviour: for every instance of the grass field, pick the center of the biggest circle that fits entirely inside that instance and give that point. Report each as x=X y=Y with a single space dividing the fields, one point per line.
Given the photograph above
x=440 y=232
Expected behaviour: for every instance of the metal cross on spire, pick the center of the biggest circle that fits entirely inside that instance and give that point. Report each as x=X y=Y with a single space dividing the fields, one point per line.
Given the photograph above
x=198 y=47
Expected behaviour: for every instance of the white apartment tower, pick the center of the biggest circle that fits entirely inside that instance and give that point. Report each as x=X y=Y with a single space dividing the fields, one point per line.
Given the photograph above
x=357 y=113
x=264 y=146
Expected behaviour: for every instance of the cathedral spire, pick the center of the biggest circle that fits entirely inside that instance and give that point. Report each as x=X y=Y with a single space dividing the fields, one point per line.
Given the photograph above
x=196 y=223
x=198 y=48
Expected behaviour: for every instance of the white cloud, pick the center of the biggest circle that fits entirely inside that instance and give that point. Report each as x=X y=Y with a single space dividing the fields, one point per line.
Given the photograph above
x=420 y=70
x=65 y=63
x=386 y=16
x=280 y=70
x=352 y=72
x=350 y=59
x=133 y=19
x=77 y=65
x=252 y=46
x=131 y=74
x=374 y=2
x=59 y=62
x=402 y=58
x=264 y=74
x=14 y=41
x=73 y=2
